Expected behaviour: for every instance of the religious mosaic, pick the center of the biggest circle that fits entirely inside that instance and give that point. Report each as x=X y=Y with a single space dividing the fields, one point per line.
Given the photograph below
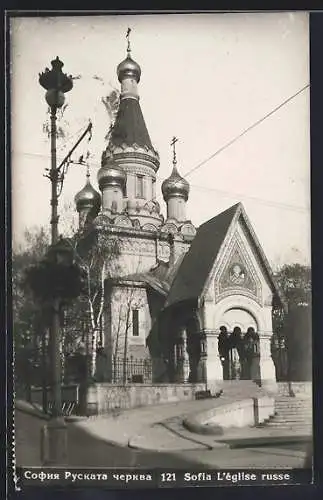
x=239 y=273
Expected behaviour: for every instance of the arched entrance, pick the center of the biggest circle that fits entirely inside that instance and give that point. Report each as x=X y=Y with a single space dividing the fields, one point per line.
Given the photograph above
x=239 y=345
x=237 y=317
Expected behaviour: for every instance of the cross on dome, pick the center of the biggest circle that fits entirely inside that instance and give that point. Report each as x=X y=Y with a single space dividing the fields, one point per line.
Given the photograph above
x=128 y=41
x=175 y=185
x=174 y=140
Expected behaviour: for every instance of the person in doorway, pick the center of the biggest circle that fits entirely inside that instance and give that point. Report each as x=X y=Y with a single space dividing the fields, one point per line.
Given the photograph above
x=248 y=350
x=236 y=353
x=254 y=356
x=223 y=350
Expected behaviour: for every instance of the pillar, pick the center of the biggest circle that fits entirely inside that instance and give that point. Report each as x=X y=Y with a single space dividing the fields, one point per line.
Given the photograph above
x=267 y=367
x=180 y=357
x=213 y=361
x=201 y=368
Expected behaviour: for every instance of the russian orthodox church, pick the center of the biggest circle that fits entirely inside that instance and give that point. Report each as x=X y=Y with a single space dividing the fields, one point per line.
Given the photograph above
x=174 y=285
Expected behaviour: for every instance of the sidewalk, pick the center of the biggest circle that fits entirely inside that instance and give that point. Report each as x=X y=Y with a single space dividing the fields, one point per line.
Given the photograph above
x=154 y=435
x=120 y=427
x=86 y=450
x=160 y=430
x=172 y=431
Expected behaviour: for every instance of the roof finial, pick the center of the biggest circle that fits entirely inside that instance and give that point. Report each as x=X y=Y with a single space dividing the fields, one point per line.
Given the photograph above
x=128 y=42
x=87 y=172
x=174 y=140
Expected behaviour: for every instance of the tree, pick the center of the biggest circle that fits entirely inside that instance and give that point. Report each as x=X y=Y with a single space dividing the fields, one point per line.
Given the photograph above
x=127 y=303
x=111 y=104
x=29 y=317
x=294 y=324
x=35 y=282
x=295 y=282
x=96 y=253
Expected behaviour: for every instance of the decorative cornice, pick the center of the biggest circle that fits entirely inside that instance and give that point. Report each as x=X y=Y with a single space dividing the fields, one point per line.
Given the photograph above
x=240 y=291
x=140 y=169
x=137 y=155
x=133 y=232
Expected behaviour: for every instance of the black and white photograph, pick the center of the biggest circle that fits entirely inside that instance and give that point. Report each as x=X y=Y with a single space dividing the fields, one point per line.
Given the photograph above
x=161 y=244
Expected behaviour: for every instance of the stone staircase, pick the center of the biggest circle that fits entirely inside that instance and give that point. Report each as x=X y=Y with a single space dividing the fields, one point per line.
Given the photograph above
x=292 y=413
x=238 y=389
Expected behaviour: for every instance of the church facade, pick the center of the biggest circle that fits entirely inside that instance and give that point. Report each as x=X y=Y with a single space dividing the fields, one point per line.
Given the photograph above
x=172 y=287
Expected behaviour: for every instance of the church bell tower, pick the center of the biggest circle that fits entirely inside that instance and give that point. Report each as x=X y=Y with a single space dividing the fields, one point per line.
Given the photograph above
x=130 y=163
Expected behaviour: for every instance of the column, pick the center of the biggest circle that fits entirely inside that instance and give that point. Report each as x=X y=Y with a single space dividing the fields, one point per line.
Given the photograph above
x=213 y=361
x=186 y=359
x=201 y=368
x=267 y=367
x=180 y=357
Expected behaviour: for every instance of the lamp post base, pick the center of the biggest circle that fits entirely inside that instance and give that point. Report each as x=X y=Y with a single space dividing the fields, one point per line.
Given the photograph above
x=54 y=442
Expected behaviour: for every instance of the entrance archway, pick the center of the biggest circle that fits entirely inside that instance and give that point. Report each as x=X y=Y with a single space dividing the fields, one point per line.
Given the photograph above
x=240 y=357
x=237 y=317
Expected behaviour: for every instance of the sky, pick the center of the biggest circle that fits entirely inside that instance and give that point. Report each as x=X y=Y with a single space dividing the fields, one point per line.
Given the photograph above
x=205 y=78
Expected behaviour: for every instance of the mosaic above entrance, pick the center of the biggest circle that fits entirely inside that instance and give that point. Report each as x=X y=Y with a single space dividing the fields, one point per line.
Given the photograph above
x=238 y=274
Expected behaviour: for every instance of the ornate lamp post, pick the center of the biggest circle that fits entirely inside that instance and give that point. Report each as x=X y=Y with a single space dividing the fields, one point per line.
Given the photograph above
x=56 y=84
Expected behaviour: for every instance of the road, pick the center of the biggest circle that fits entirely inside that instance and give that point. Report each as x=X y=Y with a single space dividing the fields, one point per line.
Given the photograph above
x=85 y=450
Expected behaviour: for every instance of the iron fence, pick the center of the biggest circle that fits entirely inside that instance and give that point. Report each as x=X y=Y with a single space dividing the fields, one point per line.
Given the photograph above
x=131 y=370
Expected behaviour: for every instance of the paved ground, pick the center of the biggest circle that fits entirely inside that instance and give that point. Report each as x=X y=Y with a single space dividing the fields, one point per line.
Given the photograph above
x=85 y=449
x=157 y=439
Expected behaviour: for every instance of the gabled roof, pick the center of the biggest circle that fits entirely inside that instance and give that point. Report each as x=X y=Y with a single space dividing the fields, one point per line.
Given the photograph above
x=198 y=262
x=130 y=127
x=159 y=278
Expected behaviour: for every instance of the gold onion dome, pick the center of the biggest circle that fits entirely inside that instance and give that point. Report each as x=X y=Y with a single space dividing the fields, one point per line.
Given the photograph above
x=175 y=185
x=111 y=174
x=88 y=197
x=128 y=68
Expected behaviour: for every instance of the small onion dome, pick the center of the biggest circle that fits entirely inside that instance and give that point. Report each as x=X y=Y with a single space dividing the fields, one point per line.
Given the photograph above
x=128 y=69
x=175 y=185
x=111 y=174
x=88 y=197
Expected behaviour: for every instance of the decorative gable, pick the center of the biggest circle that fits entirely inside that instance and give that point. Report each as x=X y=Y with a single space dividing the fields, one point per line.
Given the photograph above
x=237 y=274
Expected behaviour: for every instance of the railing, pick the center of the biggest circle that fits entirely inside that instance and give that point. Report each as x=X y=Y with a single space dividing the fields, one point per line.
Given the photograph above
x=131 y=370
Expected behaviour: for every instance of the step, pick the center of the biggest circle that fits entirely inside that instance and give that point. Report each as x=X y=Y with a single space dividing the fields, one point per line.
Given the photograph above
x=294 y=414
x=302 y=411
x=293 y=408
x=283 y=412
x=287 y=425
x=301 y=420
x=293 y=403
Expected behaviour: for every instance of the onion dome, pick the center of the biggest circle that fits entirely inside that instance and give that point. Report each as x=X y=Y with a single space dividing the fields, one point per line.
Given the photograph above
x=88 y=197
x=175 y=185
x=128 y=68
x=111 y=174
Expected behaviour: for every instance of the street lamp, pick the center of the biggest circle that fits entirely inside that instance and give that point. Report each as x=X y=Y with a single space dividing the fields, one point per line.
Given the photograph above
x=56 y=84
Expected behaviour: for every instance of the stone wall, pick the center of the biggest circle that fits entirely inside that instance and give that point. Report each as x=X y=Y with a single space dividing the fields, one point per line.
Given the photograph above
x=301 y=389
x=104 y=397
x=243 y=413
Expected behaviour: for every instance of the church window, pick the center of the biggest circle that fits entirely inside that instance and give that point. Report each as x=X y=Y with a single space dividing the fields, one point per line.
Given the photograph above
x=140 y=186
x=135 y=322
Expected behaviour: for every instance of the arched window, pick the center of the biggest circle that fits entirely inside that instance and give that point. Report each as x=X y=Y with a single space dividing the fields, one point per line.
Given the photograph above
x=139 y=186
